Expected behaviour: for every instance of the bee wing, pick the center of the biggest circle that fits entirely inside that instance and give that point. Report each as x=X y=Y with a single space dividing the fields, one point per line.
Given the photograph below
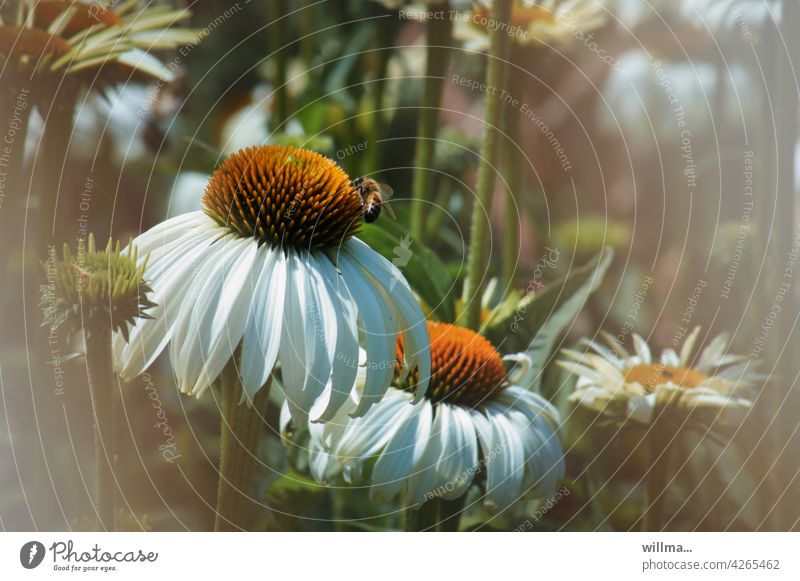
x=388 y=209
x=386 y=191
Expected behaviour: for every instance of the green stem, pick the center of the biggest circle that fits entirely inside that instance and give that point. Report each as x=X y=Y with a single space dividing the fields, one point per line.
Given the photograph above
x=307 y=34
x=479 y=234
x=52 y=163
x=240 y=433
x=511 y=215
x=450 y=513
x=387 y=27
x=438 y=51
x=660 y=440
x=426 y=518
x=101 y=387
x=438 y=211
x=278 y=51
x=15 y=117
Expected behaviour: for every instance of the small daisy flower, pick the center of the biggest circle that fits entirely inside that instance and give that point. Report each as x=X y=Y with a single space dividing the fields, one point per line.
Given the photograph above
x=624 y=385
x=68 y=45
x=533 y=22
x=271 y=269
x=475 y=423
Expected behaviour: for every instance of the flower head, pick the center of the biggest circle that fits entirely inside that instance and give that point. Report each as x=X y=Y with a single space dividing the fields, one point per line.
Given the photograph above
x=96 y=289
x=475 y=424
x=71 y=45
x=533 y=22
x=271 y=274
x=623 y=385
x=284 y=196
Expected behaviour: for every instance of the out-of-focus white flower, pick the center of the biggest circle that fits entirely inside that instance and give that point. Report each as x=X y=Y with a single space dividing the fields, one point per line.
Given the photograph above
x=533 y=22
x=623 y=385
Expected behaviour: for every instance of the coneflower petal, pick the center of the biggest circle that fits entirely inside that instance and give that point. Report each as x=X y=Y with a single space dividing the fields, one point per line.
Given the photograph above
x=262 y=336
x=218 y=341
x=403 y=453
x=379 y=326
x=412 y=319
x=150 y=336
x=346 y=356
x=201 y=345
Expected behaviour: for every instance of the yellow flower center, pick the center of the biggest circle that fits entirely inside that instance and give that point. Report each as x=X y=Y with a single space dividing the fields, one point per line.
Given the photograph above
x=284 y=196
x=466 y=369
x=651 y=376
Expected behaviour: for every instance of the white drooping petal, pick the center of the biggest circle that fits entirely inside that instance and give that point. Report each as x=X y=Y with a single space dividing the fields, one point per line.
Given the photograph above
x=170 y=280
x=165 y=232
x=403 y=453
x=209 y=329
x=503 y=456
x=641 y=407
x=427 y=478
x=380 y=327
x=321 y=335
x=460 y=460
x=262 y=335
x=365 y=436
x=346 y=356
x=402 y=300
x=292 y=351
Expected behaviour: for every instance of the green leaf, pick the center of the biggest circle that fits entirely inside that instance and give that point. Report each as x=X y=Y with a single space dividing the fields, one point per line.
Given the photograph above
x=553 y=309
x=293 y=492
x=427 y=275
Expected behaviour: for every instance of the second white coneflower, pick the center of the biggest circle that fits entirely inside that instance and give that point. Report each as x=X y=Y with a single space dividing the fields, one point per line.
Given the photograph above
x=475 y=424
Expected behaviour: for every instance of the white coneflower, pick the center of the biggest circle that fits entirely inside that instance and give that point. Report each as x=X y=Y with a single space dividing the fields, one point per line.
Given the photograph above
x=474 y=423
x=271 y=268
x=533 y=22
x=625 y=385
x=67 y=45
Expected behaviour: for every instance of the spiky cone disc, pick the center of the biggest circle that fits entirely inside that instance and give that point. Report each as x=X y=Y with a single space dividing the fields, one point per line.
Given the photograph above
x=95 y=289
x=284 y=196
x=466 y=369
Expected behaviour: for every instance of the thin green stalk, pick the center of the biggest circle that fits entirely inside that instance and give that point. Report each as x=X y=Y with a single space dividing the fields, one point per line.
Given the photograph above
x=511 y=215
x=438 y=211
x=15 y=118
x=450 y=513
x=660 y=441
x=387 y=26
x=101 y=387
x=440 y=33
x=279 y=52
x=50 y=166
x=307 y=33
x=240 y=433
x=479 y=233
x=426 y=518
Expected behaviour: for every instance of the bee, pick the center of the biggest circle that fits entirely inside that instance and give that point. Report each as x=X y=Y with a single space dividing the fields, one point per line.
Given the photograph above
x=374 y=198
